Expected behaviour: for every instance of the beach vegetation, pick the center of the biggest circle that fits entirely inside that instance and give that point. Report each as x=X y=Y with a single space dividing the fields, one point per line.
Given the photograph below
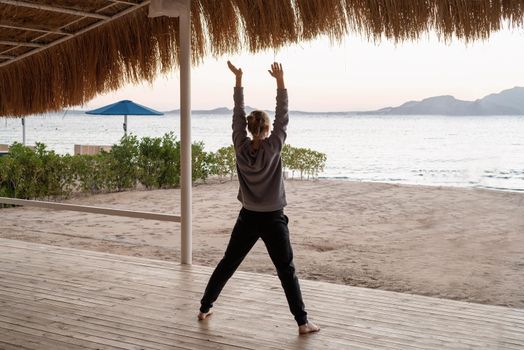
x=149 y=162
x=202 y=162
x=158 y=164
x=34 y=173
x=224 y=162
x=120 y=164
x=305 y=161
x=89 y=173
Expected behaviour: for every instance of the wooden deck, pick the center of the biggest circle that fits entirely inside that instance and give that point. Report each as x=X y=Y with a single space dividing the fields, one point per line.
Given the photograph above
x=55 y=298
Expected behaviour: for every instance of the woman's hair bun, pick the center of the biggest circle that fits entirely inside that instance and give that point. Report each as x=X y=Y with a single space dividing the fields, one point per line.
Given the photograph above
x=257 y=122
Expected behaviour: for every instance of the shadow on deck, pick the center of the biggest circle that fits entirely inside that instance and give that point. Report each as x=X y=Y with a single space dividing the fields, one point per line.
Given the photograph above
x=54 y=298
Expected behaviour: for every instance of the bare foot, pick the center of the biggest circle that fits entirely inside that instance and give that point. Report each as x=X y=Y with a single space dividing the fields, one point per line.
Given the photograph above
x=308 y=328
x=203 y=315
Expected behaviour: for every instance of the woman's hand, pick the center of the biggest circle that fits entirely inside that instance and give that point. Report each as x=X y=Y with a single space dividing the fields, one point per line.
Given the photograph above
x=277 y=72
x=237 y=72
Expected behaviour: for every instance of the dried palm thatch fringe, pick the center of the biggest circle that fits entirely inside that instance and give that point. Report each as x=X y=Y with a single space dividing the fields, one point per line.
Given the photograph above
x=135 y=48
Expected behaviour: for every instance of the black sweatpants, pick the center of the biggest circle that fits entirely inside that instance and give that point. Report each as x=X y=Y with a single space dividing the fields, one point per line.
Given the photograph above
x=272 y=228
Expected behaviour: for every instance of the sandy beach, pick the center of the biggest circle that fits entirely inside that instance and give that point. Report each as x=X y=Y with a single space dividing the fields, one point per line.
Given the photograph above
x=463 y=244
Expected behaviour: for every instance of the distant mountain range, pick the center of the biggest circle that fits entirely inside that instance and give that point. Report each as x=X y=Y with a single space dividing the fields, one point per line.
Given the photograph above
x=507 y=102
x=249 y=109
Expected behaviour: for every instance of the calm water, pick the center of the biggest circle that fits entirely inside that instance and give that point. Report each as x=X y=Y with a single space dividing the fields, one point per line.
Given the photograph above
x=430 y=150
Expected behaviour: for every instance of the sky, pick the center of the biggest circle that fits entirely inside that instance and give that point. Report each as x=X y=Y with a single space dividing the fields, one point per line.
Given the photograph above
x=351 y=75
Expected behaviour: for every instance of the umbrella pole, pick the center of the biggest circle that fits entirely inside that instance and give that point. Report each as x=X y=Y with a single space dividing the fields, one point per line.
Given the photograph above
x=125 y=125
x=23 y=131
x=185 y=135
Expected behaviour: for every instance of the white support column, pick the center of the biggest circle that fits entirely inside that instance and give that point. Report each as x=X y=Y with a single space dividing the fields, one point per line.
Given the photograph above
x=185 y=135
x=23 y=131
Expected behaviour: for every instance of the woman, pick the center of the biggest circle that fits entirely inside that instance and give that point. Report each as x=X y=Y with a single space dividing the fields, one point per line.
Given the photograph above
x=261 y=192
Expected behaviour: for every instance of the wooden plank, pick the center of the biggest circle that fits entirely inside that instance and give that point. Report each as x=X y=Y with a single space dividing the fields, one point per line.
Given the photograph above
x=43 y=338
x=320 y=308
x=196 y=270
x=161 y=332
x=139 y=298
x=130 y=296
x=8 y=346
x=19 y=340
x=412 y=319
x=228 y=332
x=91 y=210
x=164 y=298
x=104 y=334
x=193 y=315
x=217 y=335
x=401 y=304
x=246 y=340
x=91 y=149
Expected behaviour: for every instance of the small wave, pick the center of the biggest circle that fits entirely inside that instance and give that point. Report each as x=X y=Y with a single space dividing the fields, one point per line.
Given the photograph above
x=505 y=189
x=334 y=178
x=465 y=184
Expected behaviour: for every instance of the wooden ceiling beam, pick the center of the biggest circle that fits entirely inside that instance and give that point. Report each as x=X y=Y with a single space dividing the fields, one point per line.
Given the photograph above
x=124 y=2
x=61 y=40
x=20 y=43
x=46 y=31
x=53 y=9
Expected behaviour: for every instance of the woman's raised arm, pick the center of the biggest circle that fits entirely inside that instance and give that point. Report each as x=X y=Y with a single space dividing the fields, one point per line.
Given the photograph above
x=238 y=73
x=239 y=115
x=279 y=134
x=277 y=72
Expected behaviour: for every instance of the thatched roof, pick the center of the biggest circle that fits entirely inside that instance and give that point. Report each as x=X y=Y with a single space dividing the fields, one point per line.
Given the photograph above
x=60 y=53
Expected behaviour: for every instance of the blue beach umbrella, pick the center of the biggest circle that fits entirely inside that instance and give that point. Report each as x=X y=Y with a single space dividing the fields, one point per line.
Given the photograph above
x=125 y=108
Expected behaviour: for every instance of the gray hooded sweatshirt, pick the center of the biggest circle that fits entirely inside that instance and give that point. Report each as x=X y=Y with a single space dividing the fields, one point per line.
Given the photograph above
x=261 y=186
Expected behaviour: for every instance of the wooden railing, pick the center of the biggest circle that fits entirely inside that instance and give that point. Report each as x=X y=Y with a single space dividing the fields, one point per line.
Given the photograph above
x=93 y=210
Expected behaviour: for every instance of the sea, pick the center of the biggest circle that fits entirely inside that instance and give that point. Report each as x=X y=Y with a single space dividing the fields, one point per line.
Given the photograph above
x=466 y=151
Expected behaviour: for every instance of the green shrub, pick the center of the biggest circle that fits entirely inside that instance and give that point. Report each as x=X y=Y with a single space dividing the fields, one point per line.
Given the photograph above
x=122 y=167
x=304 y=160
x=224 y=162
x=7 y=183
x=38 y=173
x=159 y=162
x=152 y=162
x=90 y=173
x=22 y=173
x=170 y=172
x=201 y=162
x=55 y=178
x=317 y=163
x=149 y=162
x=288 y=158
